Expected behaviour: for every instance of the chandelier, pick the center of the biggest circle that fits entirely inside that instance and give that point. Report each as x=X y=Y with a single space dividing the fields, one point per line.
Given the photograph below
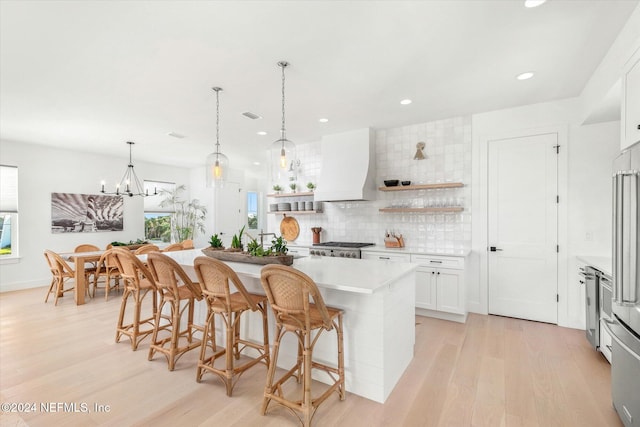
x=217 y=163
x=283 y=151
x=129 y=184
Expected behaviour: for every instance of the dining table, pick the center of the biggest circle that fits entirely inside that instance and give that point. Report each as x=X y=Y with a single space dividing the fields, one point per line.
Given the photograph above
x=80 y=259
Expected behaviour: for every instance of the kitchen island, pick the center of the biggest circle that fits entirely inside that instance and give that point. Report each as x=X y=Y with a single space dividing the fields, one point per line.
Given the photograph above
x=379 y=317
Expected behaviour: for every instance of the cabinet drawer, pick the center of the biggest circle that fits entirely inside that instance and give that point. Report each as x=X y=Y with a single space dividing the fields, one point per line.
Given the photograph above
x=456 y=263
x=384 y=256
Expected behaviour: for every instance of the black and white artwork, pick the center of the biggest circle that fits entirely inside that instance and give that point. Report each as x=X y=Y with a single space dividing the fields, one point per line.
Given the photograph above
x=86 y=213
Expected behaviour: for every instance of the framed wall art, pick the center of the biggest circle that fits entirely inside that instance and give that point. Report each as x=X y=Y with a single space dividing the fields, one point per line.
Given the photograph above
x=86 y=213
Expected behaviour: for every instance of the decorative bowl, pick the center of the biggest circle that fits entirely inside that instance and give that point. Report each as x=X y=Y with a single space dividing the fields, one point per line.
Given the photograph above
x=391 y=182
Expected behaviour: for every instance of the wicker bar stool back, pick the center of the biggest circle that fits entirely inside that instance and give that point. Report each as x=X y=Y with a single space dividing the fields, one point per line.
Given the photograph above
x=215 y=277
x=61 y=273
x=299 y=308
x=174 y=286
x=138 y=283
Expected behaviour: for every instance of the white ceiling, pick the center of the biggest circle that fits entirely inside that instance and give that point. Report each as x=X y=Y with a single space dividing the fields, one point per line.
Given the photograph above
x=91 y=75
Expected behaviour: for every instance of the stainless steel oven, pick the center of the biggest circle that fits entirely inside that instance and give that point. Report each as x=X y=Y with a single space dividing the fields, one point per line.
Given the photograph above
x=592 y=299
x=339 y=249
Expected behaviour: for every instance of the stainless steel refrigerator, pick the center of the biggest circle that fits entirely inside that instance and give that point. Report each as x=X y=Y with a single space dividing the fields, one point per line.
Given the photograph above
x=625 y=325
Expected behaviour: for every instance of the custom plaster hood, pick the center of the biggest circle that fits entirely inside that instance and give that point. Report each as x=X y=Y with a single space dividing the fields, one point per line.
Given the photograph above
x=348 y=167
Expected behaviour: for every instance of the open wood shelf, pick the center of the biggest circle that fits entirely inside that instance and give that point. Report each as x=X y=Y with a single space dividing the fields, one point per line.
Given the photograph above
x=290 y=194
x=424 y=210
x=295 y=212
x=422 y=186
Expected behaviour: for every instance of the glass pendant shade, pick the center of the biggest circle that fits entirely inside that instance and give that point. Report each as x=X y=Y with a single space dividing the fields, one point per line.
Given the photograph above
x=282 y=153
x=217 y=163
x=217 y=169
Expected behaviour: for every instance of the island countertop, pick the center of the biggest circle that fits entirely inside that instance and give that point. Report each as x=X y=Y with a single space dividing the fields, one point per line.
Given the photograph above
x=347 y=275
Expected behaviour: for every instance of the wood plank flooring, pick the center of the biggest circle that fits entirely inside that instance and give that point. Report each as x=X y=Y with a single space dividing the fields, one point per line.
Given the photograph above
x=491 y=371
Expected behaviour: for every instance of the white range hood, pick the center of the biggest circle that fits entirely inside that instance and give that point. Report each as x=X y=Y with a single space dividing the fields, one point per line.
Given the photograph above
x=348 y=167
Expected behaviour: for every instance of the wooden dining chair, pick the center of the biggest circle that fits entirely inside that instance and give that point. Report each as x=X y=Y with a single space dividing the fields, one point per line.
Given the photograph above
x=146 y=249
x=215 y=279
x=138 y=282
x=90 y=267
x=61 y=273
x=299 y=308
x=108 y=270
x=173 y=247
x=174 y=288
x=187 y=244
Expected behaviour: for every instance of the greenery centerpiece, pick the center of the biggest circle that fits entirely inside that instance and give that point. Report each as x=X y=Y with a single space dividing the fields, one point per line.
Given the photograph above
x=236 y=241
x=255 y=254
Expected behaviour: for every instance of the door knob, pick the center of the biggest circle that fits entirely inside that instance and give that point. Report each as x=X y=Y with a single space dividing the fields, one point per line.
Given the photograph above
x=494 y=249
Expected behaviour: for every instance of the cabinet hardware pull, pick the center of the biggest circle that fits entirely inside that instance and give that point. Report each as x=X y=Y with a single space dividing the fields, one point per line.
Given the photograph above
x=384 y=257
x=608 y=347
x=435 y=262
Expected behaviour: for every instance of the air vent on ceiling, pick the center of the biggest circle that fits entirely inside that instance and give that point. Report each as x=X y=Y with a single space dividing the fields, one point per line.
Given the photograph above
x=251 y=115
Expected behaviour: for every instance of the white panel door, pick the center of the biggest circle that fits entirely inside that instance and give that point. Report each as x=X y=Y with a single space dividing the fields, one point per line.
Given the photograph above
x=523 y=227
x=228 y=217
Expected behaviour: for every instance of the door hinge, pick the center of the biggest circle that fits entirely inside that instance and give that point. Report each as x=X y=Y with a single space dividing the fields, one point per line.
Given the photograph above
x=557 y=147
x=557 y=199
x=558 y=248
x=557 y=297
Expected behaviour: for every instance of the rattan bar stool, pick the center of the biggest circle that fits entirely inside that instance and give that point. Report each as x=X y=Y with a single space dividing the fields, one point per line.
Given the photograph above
x=289 y=291
x=214 y=277
x=138 y=283
x=174 y=287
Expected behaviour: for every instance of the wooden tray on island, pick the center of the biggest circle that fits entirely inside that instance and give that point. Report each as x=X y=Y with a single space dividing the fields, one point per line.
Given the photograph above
x=225 y=255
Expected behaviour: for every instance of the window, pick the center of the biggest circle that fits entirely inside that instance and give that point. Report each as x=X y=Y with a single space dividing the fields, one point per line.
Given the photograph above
x=8 y=212
x=252 y=210
x=157 y=219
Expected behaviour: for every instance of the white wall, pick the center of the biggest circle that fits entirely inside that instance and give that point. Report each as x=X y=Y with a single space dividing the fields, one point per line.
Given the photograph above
x=43 y=170
x=448 y=151
x=584 y=177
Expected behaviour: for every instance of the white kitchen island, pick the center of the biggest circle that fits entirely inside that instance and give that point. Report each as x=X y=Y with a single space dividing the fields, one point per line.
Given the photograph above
x=378 y=300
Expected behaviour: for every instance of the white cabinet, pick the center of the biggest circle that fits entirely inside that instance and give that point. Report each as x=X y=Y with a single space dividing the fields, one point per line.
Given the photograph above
x=440 y=285
x=630 y=109
x=298 y=251
x=385 y=256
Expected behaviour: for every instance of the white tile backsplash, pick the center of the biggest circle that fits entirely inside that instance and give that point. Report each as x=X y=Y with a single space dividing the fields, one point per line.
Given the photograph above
x=448 y=152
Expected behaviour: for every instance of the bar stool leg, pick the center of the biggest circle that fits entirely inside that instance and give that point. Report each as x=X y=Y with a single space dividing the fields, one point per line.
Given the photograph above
x=268 y=389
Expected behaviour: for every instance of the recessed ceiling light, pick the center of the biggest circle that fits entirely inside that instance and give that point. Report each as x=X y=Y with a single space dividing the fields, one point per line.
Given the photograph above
x=261 y=133
x=175 y=135
x=256 y=163
x=524 y=76
x=406 y=102
x=323 y=120
x=533 y=3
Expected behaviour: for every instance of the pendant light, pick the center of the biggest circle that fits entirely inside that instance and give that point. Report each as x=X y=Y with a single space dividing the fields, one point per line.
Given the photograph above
x=283 y=151
x=129 y=185
x=217 y=163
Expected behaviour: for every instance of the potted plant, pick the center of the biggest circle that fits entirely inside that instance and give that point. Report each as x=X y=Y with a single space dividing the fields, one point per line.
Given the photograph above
x=277 y=189
x=236 y=241
x=187 y=218
x=216 y=242
x=255 y=249
x=279 y=246
x=293 y=187
x=311 y=186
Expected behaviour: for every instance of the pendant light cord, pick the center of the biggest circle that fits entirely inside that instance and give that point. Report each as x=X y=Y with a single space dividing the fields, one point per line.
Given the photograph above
x=217 y=89
x=283 y=131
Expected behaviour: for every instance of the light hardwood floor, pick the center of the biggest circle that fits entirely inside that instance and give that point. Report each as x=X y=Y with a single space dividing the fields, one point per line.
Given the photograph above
x=491 y=371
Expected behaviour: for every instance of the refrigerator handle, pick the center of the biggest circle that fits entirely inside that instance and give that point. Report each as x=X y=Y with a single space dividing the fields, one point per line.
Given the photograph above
x=633 y=228
x=617 y=223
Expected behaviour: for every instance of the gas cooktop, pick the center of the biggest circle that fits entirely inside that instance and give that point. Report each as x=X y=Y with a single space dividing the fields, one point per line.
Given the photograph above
x=344 y=244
